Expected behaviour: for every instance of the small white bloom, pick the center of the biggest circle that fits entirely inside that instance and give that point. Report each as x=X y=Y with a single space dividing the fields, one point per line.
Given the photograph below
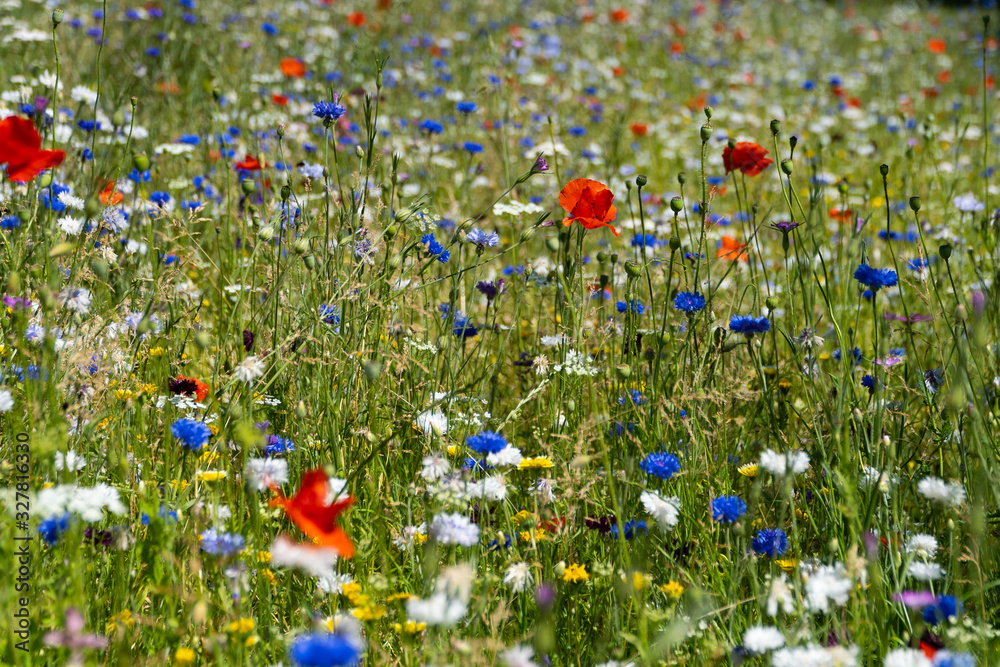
x=249 y=369
x=780 y=593
x=71 y=201
x=435 y=467
x=76 y=299
x=793 y=463
x=508 y=456
x=760 y=639
x=6 y=401
x=454 y=529
x=432 y=423
x=938 y=490
x=438 y=609
x=71 y=226
x=519 y=656
x=825 y=584
x=925 y=571
x=262 y=474
x=317 y=561
x=518 y=577
x=666 y=511
x=70 y=461
x=922 y=546
x=906 y=657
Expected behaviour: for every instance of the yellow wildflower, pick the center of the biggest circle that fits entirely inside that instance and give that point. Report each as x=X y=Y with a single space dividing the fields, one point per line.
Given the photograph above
x=369 y=612
x=575 y=573
x=748 y=469
x=535 y=462
x=410 y=627
x=210 y=475
x=787 y=564
x=673 y=589
x=183 y=656
x=399 y=597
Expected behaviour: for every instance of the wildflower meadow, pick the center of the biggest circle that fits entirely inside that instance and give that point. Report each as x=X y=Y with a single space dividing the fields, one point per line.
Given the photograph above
x=535 y=333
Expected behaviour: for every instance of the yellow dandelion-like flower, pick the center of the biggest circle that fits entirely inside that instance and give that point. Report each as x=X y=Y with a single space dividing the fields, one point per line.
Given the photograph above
x=351 y=589
x=123 y=394
x=263 y=556
x=639 y=580
x=535 y=462
x=787 y=564
x=410 y=627
x=673 y=589
x=183 y=656
x=748 y=469
x=575 y=573
x=156 y=351
x=214 y=429
x=209 y=457
x=148 y=388
x=270 y=575
x=251 y=640
x=369 y=612
x=452 y=450
x=399 y=597
x=210 y=475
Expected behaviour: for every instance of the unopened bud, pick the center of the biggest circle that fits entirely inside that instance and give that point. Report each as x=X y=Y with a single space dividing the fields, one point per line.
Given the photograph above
x=676 y=204
x=527 y=234
x=359 y=151
x=675 y=243
x=641 y=180
x=786 y=167
x=140 y=161
x=775 y=126
x=706 y=132
x=682 y=178
x=884 y=170
x=552 y=243
x=623 y=371
x=301 y=246
x=914 y=204
x=57 y=16
x=772 y=302
x=945 y=251
x=266 y=233
x=248 y=186
x=708 y=113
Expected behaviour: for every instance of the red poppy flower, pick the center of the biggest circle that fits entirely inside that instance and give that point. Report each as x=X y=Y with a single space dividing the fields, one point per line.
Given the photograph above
x=314 y=516
x=588 y=202
x=619 y=15
x=936 y=45
x=280 y=100
x=109 y=197
x=747 y=156
x=186 y=386
x=357 y=19
x=732 y=250
x=20 y=150
x=639 y=129
x=841 y=215
x=250 y=163
x=293 y=67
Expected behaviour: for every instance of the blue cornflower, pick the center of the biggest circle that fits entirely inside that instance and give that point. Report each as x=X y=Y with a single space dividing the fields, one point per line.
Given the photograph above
x=192 y=434
x=463 y=328
x=660 y=464
x=869 y=383
x=482 y=238
x=728 y=508
x=487 y=442
x=190 y=139
x=875 y=279
x=771 y=542
x=855 y=355
x=435 y=249
x=159 y=197
x=943 y=608
x=165 y=515
x=477 y=465
x=10 y=222
x=53 y=527
x=634 y=396
x=630 y=529
x=269 y=28
x=221 y=544
x=949 y=659
x=329 y=314
x=918 y=264
x=431 y=126
x=647 y=240
x=278 y=445
x=465 y=107
x=140 y=176
x=633 y=305
x=329 y=110
x=324 y=650
x=689 y=302
x=472 y=147
x=748 y=325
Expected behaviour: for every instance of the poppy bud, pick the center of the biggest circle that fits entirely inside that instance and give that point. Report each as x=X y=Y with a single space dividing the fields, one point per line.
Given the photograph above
x=676 y=204
x=100 y=268
x=372 y=370
x=641 y=180
x=945 y=251
x=359 y=151
x=266 y=233
x=623 y=371
x=775 y=126
x=614 y=258
x=396 y=261
x=706 y=132
x=793 y=141
x=234 y=411
x=604 y=280
x=602 y=256
x=633 y=270
x=628 y=185
x=248 y=186
x=527 y=234
x=552 y=243
x=682 y=178
x=57 y=16
x=571 y=405
x=731 y=143
x=842 y=187
x=914 y=204
x=310 y=261
x=140 y=161
x=708 y=113
x=134 y=100
x=772 y=302
x=300 y=410
x=884 y=170
x=675 y=243
x=143 y=326
x=786 y=167
x=286 y=192
x=61 y=249
x=754 y=208
x=301 y=246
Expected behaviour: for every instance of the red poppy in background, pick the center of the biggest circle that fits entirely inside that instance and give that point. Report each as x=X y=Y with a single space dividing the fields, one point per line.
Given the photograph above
x=20 y=150
x=841 y=215
x=619 y=15
x=293 y=67
x=280 y=100
x=590 y=203
x=109 y=197
x=314 y=515
x=188 y=387
x=732 y=250
x=357 y=19
x=250 y=163
x=936 y=45
x=639 y=129
x=747 y=156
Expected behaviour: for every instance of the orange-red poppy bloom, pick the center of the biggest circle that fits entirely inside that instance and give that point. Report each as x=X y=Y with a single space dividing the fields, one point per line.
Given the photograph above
x=747 y=156
x=357 y=19
x=250 y=163
x=293 y=67
x=619 y=15
x=588 y=202
x=109 y=197
x=841 y=215
x=732 y=250
x=20 y=150
x=936 y=45
x=315 y=516
x=639 y=129
x=280 y=100
x=183 y=385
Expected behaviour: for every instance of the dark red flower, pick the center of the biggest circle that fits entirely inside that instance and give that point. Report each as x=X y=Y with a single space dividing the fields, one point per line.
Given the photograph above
x=20 y=150
x=747 y=156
